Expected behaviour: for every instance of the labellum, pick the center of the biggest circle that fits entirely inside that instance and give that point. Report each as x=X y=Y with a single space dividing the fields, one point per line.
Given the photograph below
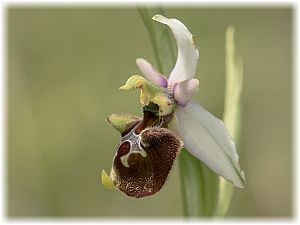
x=146 y=153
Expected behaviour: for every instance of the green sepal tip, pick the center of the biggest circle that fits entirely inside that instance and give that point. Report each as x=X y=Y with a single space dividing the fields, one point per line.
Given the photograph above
x=107 y=182
x=122 y=121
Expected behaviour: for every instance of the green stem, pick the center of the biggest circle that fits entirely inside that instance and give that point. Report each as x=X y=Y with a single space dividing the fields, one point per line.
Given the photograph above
x=199 y=187
x=161 y=39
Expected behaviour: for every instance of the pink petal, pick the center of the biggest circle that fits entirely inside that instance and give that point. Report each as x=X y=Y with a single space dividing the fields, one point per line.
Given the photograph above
x=184 y=91
x=151 y=74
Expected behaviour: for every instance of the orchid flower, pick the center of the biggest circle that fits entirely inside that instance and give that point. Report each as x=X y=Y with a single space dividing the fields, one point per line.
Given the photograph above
x=149 y=147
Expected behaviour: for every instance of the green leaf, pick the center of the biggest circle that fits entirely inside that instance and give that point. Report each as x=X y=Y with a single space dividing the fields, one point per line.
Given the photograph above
x=232 y=112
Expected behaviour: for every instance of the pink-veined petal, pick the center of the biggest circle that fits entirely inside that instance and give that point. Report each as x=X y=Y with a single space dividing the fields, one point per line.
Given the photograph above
x=184 y=91
x=207 y=138
x=188 y=54
x=151 y=74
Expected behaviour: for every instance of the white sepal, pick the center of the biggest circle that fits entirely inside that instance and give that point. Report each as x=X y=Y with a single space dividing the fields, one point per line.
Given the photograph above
x=206 y=137
x=188 y=54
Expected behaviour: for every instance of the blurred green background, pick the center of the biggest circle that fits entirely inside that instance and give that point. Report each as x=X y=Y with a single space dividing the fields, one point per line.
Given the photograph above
x=64 y=68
